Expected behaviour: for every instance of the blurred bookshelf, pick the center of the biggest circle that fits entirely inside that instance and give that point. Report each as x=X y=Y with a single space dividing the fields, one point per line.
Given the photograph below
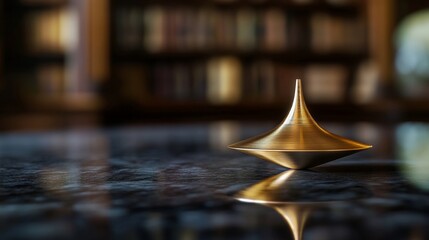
x=37 y=60
x=137 y=60
x=233 y=58
x=39 y=88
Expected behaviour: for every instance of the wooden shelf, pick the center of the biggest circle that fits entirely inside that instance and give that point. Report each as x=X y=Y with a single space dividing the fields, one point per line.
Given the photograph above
x=387 y=111
x=34 y=59
x=252 y=111
x=316 y=6
x=52 y=104
x=36 y=5
x=72 y=103
x=281 y=56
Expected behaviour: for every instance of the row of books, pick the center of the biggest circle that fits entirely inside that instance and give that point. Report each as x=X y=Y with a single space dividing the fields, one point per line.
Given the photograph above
x=161 y=29
x=48 y=80
x=49 y=31
x=223 y=80
x=157 y=29
x=226 y=80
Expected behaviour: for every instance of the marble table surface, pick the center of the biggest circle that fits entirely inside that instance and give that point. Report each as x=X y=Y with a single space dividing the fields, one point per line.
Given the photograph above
x=181 y=182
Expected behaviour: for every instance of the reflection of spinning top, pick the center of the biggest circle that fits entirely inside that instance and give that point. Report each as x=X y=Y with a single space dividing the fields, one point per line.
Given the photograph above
x=294 y=196
x=299 y=142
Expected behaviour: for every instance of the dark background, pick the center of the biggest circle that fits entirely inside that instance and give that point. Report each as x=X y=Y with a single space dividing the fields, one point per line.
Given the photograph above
x=66 y=63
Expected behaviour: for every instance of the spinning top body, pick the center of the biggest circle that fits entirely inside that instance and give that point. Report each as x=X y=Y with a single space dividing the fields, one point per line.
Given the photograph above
x=299 y=142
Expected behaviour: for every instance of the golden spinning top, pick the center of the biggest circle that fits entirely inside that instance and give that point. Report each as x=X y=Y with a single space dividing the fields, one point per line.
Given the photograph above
x=299 y=142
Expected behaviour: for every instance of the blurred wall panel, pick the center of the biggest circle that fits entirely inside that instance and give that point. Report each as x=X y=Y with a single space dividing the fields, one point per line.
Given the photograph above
x=98 y=39
x=381 y=16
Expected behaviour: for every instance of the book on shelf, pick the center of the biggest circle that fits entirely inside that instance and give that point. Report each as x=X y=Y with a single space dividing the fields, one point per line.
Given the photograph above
x=49 y=31
x=325 y=83
x=367 y=84
x=259 y=83
x=274 y=37
x=333 y=33
x=246 y=25
x=224 y=80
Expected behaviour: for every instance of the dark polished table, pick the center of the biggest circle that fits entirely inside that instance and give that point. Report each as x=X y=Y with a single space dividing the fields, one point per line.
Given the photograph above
x=181 y=182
